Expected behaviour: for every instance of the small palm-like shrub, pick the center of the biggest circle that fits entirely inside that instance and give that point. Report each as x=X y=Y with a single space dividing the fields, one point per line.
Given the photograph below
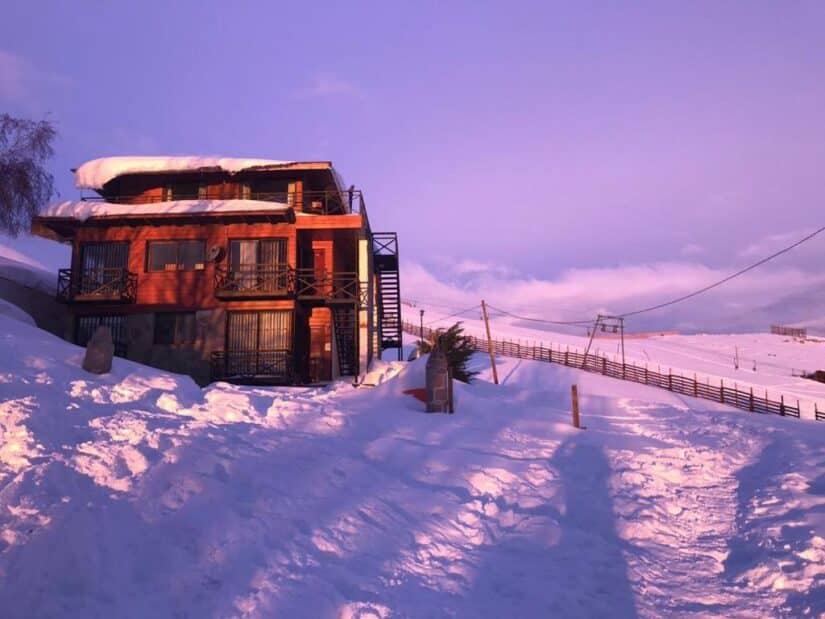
x=457 y=347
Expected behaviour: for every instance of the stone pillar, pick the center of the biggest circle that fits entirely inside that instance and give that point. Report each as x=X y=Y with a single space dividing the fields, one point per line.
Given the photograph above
x=438 y=382
x=99 y=352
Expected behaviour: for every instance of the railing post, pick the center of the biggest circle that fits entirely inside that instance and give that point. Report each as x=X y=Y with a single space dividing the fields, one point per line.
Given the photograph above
x=695 y=387
x=750 y=401
x=670 y=379
x=722 y=391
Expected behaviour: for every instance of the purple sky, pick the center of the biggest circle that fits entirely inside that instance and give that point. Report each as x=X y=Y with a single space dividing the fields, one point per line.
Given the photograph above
x=541 y=137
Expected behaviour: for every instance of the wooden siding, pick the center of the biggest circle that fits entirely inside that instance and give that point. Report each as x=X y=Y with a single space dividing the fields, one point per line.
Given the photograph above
x=184 y=289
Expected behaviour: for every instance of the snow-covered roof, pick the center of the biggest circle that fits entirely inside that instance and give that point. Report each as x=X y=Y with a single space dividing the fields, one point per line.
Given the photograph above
x=83 y=210
x=96 y=173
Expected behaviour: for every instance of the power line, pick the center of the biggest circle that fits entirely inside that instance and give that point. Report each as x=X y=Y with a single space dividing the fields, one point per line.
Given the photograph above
x=542 y=320
x=464 y=311
x=678 y=299
x=726 y=279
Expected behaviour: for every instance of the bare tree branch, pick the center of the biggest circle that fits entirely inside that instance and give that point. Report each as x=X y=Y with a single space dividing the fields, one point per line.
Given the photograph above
x=25 y=185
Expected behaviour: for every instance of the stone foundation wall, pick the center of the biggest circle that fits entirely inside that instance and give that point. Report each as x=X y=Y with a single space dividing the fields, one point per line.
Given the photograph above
x=192 y=359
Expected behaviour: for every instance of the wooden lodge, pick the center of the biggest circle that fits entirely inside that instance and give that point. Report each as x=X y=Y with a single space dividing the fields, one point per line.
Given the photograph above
x=246 y=271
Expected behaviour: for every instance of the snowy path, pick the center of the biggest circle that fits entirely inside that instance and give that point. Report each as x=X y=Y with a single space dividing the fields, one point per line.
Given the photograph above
x=137 y=494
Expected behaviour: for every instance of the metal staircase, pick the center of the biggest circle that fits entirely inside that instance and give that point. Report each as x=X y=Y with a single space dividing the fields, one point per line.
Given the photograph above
x=385 y=261
x=345 y=325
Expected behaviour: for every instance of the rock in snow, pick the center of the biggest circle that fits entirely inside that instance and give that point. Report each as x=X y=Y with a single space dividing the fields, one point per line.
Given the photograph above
x=99 y=351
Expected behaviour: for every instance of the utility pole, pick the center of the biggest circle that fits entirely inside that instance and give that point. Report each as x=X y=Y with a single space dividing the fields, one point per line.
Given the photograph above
x=490 y=345
x=590 y=341
x=621 y=326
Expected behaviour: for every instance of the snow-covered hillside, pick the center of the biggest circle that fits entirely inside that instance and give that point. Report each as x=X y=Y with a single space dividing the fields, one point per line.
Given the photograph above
x=765 y=362
x=137 y=494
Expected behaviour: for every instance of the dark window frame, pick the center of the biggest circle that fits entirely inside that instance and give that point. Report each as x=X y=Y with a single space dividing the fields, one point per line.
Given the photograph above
x=258 y=239
x=119 y=337
x=178 y=264
x=258 y=313
x=170 y=190
x=181 y=333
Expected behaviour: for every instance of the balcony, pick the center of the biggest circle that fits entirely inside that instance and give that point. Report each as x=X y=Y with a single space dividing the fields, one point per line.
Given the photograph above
x=316 y=202
x=253 y=366
x=259 y=281
x=340 y=286
x=96 y=285
x=253 y=281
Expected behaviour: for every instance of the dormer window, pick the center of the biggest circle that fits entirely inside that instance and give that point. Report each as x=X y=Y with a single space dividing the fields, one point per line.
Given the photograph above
x=183 y=191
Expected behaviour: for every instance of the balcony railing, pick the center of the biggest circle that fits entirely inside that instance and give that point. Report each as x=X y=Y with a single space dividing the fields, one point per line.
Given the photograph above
x=253 y=280
x=316 y=202
x=271 y=366
x=332 y=286
x=109 y=284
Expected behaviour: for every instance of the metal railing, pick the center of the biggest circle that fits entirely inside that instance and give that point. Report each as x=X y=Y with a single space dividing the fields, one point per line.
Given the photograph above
x=329 y=202
x=105 y=284
x=331 y=285
x=262 y=365
x=251 y=280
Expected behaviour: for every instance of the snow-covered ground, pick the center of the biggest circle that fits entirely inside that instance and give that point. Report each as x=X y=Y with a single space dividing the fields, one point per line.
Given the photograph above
x=138 y=494
x=778 y=361
x=25 y=270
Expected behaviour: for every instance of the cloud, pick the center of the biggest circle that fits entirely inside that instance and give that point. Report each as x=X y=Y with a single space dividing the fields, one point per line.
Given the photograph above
x=748 y=302
x=322 y=86
x=771 y=243
x=20 y=80
x=692 y=249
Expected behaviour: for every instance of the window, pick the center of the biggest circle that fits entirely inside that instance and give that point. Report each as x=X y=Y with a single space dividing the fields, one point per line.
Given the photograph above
x=181 y=191
x=176 y=256
x=87 y=325
x=175 y=328
x=265 y=252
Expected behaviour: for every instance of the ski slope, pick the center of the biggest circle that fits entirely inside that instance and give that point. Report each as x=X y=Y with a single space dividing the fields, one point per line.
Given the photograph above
x=779 y=360
x=138 y=494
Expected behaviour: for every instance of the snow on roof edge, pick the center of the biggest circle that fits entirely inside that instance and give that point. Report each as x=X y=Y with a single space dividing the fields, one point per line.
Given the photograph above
x=96 y=173
x=82 y=210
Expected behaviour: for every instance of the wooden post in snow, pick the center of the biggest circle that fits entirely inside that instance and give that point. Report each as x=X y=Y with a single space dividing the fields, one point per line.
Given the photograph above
x=574 y=392
x=490 y=345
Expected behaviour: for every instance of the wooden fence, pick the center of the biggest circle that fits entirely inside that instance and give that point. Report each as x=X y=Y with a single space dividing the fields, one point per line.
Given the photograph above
x=724 y=394
x=789 y=331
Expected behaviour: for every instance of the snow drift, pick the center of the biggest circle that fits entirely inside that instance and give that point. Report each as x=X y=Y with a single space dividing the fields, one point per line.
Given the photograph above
x=137 y=494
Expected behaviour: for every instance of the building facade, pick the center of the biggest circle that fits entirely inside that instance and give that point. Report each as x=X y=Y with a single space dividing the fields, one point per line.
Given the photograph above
x=249 y=271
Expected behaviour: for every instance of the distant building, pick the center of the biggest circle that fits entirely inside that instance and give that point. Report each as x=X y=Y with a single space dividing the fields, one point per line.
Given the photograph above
x=250 y=271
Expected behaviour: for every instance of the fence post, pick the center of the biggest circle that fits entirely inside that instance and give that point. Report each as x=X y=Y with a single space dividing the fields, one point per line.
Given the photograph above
x=750 y=402
x=645 y=373
x=670 y=379
x=566 y=353
x=604 y=366
x=695 y=387
x=574 y=392
x=782 y=404
x=722 y=391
